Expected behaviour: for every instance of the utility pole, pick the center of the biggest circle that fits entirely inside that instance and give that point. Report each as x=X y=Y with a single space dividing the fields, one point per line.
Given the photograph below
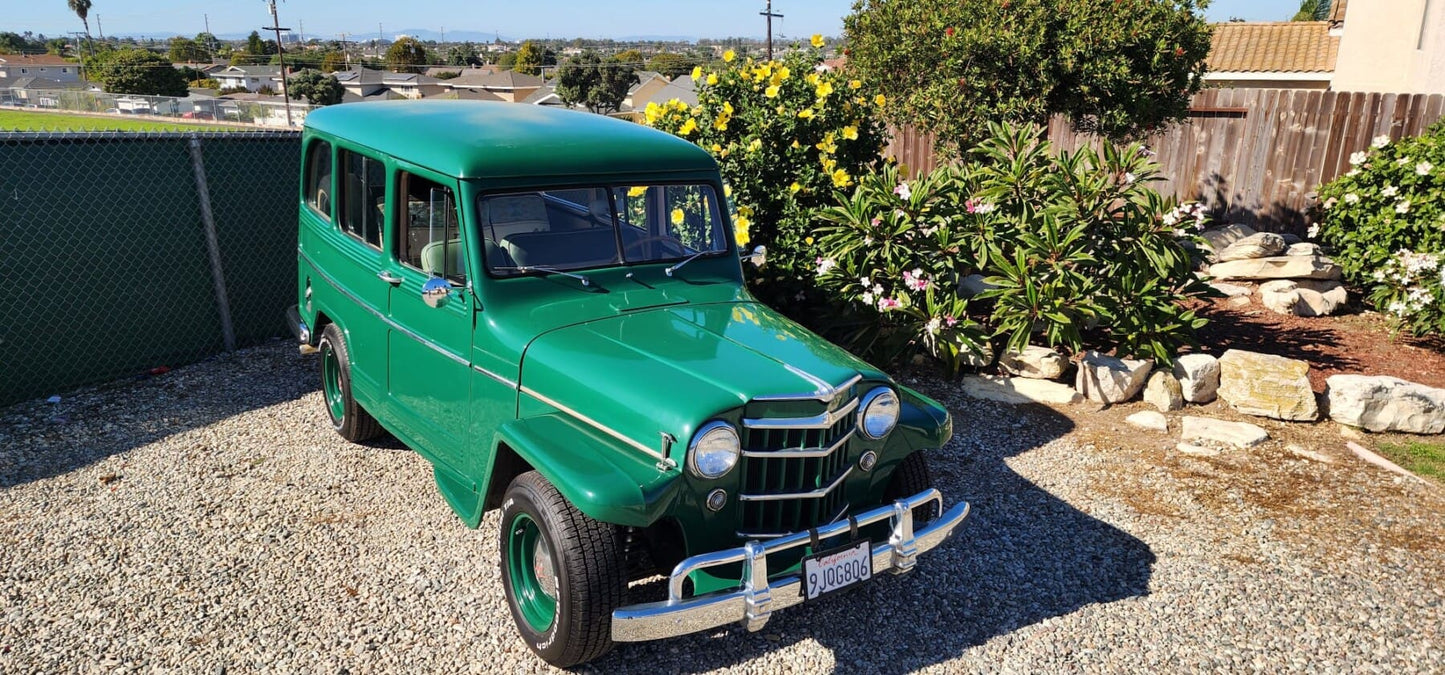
x=281 y=53
x=210 y=50
x=99 y=28
x=770 y=14
x=301 y=32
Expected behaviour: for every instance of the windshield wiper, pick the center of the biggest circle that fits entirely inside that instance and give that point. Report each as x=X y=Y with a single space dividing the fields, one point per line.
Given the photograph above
x=689 y=259
x=550 y=270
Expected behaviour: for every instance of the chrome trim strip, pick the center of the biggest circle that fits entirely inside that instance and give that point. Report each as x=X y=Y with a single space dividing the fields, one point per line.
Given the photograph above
x=774 y=535
x=821 y=394
x=822 y=421
x=494 y=376
x=590 y=422
x=756 y=598
x=802 y=453
x=813 y=494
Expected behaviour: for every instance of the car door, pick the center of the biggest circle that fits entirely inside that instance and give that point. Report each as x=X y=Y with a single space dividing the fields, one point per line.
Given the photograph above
x=430 y=341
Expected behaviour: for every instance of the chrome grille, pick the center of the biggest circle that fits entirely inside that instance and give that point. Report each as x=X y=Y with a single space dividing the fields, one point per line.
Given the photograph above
x=793 y=468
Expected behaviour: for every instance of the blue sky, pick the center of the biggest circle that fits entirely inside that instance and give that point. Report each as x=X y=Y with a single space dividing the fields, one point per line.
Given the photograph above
x=533 y=18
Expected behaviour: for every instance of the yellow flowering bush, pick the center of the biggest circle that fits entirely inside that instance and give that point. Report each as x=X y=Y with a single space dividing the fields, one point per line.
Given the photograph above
x=788 y=135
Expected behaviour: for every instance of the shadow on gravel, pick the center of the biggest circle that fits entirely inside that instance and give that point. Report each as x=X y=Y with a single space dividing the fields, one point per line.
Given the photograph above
x=39 y=440
x=1023 y=556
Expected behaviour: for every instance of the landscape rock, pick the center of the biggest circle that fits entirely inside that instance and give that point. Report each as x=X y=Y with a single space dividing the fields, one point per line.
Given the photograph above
x=982 y=359
x=1110 y=380
x=1150 y=420
x=1381 y=403
x=1267 y=385
x=1309 y=454
x=1163 y=391
x=1231 y=290
x=1290 y=239
x=1237 y=434
x=1303 y=248
x=1040 y=363
x=1239 y=301
x=1303 y=297
x=1258 y=245
x=1198 y=376
x=973 y=284
x=1220 y=238
x=1019 y=390
x=1279 y=267
x=1196 y=450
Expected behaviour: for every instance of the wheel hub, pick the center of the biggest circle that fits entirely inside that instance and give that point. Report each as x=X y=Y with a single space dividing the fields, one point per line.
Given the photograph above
x=542 y=567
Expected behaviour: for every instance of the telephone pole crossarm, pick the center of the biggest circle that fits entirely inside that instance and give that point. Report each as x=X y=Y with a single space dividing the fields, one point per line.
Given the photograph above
x=770 y=14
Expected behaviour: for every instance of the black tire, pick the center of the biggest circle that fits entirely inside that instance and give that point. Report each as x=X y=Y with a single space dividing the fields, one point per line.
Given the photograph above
x=354 y=424
x=910 y=478
x=589 y=568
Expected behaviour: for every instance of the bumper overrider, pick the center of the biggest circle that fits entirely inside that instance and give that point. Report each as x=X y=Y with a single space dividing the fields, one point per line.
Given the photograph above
x=757 y=598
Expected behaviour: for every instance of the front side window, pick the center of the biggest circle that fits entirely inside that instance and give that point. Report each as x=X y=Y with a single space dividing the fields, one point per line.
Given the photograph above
x=363 y=197
x=582 y=228
x=318 y=178
x=430 y=240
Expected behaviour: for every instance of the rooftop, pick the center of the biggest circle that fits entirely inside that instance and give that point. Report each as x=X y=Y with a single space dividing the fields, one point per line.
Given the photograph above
x=507 y=79
x=34 y=60
x=1274 y=47
x=478 y=139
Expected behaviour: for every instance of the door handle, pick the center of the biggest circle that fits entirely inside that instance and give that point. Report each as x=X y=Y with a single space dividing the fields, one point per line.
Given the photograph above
x=388 y=277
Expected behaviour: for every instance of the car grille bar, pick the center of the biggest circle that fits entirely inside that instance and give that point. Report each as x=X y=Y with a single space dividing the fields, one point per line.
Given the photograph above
x=794 y=466
x=821 y=421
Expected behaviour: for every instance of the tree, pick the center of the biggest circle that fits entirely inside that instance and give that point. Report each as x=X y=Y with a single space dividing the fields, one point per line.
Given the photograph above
x=185 y=50
x=463 y=55
x=671 y=65
x=407 y=56
x=82 y=10
x=333 y=61
x=316 y=87
x=254 y=44
x=208 y=43
x=508 y=61
x=631 y=56
x=529 y=58
x=138 y=71
x=1121 y=68
x=1313 y=10
x=590 y=81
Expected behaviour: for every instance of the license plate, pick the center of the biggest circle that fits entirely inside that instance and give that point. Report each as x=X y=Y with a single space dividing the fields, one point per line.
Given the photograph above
x=837 y=569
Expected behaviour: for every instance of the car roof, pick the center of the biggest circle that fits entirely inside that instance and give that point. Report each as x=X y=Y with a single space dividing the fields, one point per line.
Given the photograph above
x=480 y=139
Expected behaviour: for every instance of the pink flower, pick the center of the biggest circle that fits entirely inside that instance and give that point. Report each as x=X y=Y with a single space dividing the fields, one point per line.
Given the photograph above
x=903 y=191
x=886 y=304
x=969 y=205
x=877 y=221
x=915 y=280
x=949 y=321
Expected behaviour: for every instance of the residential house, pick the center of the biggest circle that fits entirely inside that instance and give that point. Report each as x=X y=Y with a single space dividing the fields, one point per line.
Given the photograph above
x=471 y=95
x=48 y=66
x=412 y=85
x=37 y=91
x=360 y=82
x=250 y=78
x=682 y=89
x=1391 y=46
x=648 y=83
x=545 y=95
x=508 y=84
x=1276 y=55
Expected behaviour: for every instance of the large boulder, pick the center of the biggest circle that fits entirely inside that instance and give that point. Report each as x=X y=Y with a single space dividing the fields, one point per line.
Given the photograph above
x=1267 y=385
x=1162 y=391
x=1303 y=248
x=1381 y=403
x=1278 y=267
x=1019 y=390
x=1198 y=376
x=1040 y=363
x=1303 y=297
x=1237 y=434
x=1258 y=245
x=1110 y=380
x=1220 y=238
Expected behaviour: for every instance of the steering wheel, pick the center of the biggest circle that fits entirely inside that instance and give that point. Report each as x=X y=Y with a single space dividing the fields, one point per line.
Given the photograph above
x=651 y=238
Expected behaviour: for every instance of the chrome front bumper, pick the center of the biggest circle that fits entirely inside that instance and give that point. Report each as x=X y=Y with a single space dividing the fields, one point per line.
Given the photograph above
x=755 y=601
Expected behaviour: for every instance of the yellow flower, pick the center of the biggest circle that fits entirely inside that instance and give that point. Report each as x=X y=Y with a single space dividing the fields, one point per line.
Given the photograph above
x=880 y=100
x=808 y=241
x=854 y=84
x=828 y=163
x=727 y=190
x=825 y=89
x=772 y=92
x=721 y=123
x=756 y=145
x=842 y=179
x=827 y=146
x=716 y=148
x=637 y=191
x=813 y=79
x=850 y=133
x=696 y=73
x=653 y=111
x=677 y=216
x=688 y=127
x=727 y=108
x=807 y=114
x=740 y=230
x=711 y=79
x=796 y=145
x=783 y=73
x=817 y=40
x=745 y=211
x=729 y=55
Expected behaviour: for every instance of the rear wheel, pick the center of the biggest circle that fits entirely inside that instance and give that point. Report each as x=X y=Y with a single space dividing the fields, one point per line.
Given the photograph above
x=564 y=573
x=348 y=418
x=910 y=478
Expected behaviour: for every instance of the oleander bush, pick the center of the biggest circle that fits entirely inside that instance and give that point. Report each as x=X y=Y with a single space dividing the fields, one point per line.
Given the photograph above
x=1384 y=222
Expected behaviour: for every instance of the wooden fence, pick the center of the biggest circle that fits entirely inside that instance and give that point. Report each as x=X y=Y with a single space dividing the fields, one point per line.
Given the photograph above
x=1253 y=155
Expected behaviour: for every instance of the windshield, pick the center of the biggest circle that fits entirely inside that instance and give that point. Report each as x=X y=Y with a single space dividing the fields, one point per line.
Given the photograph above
x=581 y=228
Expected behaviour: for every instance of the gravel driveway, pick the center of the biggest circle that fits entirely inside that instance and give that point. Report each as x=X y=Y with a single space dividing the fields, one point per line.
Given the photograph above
x=207 y=520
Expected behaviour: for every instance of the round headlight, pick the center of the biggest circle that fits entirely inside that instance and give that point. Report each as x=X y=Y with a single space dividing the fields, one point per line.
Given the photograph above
x=878 y=413
x=714 y=451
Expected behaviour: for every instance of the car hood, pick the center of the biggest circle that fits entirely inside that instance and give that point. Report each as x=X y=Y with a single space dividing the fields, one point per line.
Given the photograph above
x=668 y=370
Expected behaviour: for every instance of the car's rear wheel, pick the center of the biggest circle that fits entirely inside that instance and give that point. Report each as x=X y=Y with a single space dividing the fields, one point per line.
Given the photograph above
x=910 y=478
x=348 y=418
x=563 y=573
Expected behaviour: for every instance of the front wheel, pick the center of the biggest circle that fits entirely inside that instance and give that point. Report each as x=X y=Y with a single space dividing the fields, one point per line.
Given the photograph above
x=562 y=571
x=910 y=478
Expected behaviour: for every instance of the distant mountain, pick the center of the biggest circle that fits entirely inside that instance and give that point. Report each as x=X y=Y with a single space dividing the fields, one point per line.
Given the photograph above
x=425 y=34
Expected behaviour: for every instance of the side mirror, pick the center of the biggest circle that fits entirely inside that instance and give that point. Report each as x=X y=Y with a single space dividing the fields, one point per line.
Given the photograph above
x=758 y=257
x=435 y=291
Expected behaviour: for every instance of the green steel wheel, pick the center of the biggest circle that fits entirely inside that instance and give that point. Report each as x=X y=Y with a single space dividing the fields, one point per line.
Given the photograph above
x=348 y=418
x=563 y=573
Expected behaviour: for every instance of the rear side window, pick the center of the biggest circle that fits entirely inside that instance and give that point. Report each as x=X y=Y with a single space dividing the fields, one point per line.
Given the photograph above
x=363 y=196
x=429 y=239
x=318 y=178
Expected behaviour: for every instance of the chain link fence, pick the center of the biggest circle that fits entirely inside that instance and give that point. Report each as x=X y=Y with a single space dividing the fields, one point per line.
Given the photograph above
x=255 y=109
x=122 y=252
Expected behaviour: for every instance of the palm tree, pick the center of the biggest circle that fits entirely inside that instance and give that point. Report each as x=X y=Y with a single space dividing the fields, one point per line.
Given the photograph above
x=82 y=10
x=1311 y=10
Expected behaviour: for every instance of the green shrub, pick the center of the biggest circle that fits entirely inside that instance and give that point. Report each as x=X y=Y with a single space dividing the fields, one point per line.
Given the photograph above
x=1384 y=222
x=786 y=135
x=1080 y=252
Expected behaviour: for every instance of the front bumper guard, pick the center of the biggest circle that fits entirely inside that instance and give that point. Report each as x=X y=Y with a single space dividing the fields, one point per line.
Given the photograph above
x=758 y=598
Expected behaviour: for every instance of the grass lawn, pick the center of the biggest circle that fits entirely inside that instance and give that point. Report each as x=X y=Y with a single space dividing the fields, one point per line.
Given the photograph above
x=19 y=120
x=1425 y=459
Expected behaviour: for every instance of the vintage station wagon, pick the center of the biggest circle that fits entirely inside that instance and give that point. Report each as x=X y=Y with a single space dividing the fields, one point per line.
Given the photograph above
x=549 y=307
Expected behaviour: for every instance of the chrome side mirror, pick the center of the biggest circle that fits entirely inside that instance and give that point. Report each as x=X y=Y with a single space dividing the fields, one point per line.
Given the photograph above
x=435 y=291
x=758 y=257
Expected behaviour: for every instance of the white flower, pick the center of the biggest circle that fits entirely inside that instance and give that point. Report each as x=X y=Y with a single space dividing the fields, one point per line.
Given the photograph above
x=1403 y=207
x=1352 y=198
x=877 y=289
x=1358 y=157
x=1330 y=203
x=903 y=191
x=1352 y=172
x=865 y=282
x=1389 y=191
x=1314 y=231
x=1380 y=141
x=1424 y=168
x=933 y=325
x=1171 y=218
x=1379 y=275
x=1402 y=161
x=1129 y=178
x=984 y=208
x=867 y=298
x=825 y=265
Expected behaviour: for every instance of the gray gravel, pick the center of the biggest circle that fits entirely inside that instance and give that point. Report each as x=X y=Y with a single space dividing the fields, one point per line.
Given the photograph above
x=208 y=520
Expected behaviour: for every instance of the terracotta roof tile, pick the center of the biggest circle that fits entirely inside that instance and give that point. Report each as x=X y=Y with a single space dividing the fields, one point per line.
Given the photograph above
x=1281 y=47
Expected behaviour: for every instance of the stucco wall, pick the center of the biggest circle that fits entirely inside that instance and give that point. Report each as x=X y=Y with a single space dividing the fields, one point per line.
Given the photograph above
x=1381 y=49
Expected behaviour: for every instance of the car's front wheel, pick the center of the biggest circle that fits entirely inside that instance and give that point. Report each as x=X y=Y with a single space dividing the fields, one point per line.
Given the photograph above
x=910 y=478
x=563 y=573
